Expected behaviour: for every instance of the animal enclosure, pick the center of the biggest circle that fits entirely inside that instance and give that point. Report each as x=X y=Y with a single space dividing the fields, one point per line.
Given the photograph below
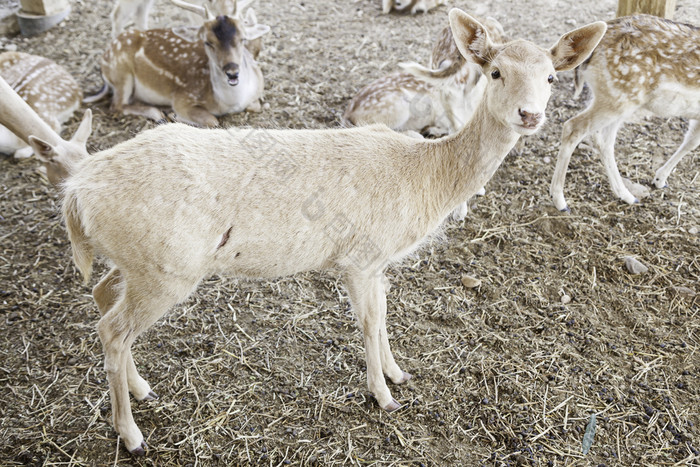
x=265 y=372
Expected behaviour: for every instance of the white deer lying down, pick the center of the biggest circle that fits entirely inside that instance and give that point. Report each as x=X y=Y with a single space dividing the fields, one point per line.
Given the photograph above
x=432 y=101
x=201 y=79
x=643 y=64
x=268 y=203
x=410 y=6
x=46 y=86
x=57 y=154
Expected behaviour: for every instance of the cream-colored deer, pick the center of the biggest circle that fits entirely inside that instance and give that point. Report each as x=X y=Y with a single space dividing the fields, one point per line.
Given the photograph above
x=201 y=79
x=268 y=203
x=57 y=154
x=410 y=6
x=644 y=64
x=46 y=86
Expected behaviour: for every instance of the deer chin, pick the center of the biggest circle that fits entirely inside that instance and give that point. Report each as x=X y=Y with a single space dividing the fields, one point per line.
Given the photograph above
x=527 y=128
x=232 y=81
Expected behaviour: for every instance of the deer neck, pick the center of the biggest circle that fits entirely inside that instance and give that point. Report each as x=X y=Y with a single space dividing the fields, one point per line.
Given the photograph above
x=462 y=163
x=21 y=119
x=232 y=99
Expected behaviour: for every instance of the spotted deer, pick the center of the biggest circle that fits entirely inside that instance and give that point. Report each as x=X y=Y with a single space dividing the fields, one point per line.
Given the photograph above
x=410 y=6
x=268 y=203
x=57 y=155
x=431 y=101
x=643 y=65
x=201 y=77
x=46 y=86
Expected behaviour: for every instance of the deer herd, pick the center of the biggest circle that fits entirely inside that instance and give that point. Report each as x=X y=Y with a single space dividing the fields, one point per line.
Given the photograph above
x=417 y=144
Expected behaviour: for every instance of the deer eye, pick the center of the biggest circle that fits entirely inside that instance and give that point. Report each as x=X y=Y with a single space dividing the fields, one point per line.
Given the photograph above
x=495 y=74
x=550 y=79
x=208 y=44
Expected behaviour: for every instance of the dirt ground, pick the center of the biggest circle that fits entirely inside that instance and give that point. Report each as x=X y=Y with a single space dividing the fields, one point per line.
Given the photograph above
x=273 y=373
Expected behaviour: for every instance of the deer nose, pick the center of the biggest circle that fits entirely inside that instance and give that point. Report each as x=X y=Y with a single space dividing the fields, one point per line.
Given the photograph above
x=530 y=119
x=231 y=70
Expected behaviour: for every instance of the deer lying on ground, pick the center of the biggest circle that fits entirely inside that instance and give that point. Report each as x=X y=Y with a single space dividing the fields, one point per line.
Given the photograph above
x=412 y=6
x=643 y=64
x=431 y=101
x=269 y=203
x=46 y=86
x=57 y=154
x=212 y=75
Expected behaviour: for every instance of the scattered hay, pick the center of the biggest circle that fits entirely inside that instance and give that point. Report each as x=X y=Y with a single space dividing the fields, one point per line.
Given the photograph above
x=273 y=372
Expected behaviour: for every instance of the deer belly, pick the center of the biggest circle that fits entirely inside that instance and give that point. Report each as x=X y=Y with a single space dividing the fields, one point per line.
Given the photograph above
x=149 y=95
x=675 y=99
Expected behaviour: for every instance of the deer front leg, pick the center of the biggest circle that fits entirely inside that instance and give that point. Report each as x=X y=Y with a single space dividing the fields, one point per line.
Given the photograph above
x=575 y=129
x=368 y=300
x=255 y=106
x=186 y=112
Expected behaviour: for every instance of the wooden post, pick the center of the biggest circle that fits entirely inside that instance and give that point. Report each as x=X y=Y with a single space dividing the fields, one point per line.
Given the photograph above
x=44 y=7
x=662 y=8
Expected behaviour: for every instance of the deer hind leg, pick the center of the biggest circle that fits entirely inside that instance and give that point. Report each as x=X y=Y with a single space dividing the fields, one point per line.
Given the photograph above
x=691 y=140
x=122 y=85
x=575 y=129
x=106 y=293
x=368 y=299
x=139 y=305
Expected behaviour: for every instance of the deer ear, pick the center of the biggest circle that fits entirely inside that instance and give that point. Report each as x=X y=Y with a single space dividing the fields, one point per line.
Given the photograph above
x=250 y=18
x=576 y=46
x=188 y=33
x=42 y=150
x=255 y=31
x=82 y=134
x=471 y=37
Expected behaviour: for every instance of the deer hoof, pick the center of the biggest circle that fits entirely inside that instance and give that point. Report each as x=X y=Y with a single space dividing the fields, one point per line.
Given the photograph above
x=151 y=396
x=392 y=406
x=139 y=451
x=404 y=377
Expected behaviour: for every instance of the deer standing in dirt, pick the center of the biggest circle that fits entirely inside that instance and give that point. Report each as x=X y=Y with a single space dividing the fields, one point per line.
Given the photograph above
x=57 y=154
x=269 y=203
x=644 y=64
x=410 y=6
x=46 y=86
x=431 y=101
x=210 y=75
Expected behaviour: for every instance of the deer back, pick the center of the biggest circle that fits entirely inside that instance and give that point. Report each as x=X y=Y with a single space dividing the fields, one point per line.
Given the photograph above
x=647 y=61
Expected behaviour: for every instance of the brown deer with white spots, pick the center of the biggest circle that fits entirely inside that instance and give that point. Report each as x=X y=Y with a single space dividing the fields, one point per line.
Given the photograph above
x=410 y=6
x=209 y=75
x=269 y=203
x=57 y=154
x=431 y=101
x=643 y=65
x=46 y=86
